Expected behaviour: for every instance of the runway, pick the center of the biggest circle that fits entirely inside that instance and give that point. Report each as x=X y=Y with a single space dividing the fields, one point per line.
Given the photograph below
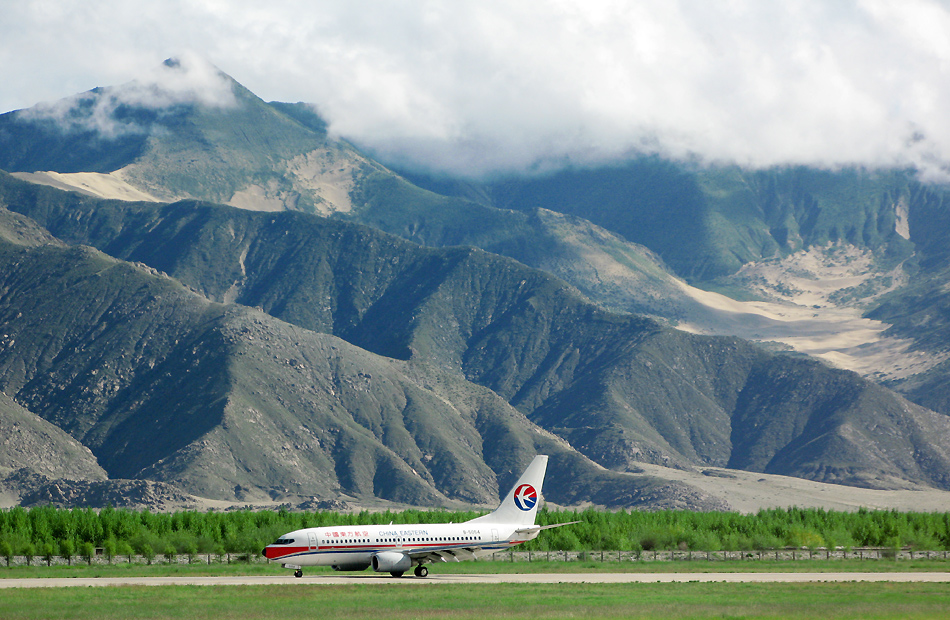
x=435 y=579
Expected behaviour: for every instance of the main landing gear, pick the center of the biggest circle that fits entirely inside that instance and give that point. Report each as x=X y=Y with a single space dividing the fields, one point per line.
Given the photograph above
x=298 y=573
x=419 y=571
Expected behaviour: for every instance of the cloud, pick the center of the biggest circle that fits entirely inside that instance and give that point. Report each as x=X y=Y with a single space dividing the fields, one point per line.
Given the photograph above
x=480 y=87
x=183 y=80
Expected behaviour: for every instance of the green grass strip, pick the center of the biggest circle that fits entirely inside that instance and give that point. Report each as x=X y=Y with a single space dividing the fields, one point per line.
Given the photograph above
x=590 y=601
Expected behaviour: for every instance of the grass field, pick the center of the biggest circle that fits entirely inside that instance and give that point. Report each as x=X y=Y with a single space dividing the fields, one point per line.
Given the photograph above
x=827 y=601
x=589 y=601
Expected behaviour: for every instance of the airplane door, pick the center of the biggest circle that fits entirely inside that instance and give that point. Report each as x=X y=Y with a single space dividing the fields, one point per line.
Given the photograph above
x=494 y=535
x=313 y=540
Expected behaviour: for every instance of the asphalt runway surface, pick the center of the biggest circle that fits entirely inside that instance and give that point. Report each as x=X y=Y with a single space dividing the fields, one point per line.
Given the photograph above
x=376 y=579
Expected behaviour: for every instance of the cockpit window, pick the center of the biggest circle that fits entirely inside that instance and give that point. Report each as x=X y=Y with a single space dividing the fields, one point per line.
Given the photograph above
x=284 y=541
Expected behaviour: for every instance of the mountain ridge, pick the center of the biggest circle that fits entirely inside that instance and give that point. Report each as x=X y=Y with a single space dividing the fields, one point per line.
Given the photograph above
x=592 y=377
x=700 y=222
x=619 y=389
x=212 y=405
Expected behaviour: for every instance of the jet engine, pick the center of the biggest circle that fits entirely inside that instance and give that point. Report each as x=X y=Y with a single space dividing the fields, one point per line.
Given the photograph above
x=391 y=562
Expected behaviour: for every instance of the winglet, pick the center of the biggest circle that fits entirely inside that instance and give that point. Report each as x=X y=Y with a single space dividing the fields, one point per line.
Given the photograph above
x=521 y=504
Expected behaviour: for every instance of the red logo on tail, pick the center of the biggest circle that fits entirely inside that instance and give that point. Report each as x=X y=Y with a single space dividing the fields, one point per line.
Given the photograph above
x=526 y=497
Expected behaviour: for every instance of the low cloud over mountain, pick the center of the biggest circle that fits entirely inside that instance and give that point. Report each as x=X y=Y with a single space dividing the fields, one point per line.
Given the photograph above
x=485 y=87
x=105 y=111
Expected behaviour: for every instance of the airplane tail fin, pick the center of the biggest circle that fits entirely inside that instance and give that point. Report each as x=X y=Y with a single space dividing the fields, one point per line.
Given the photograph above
x=521 y=504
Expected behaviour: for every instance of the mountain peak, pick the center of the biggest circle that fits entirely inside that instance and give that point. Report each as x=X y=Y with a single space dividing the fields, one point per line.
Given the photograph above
x=181 y=80
x=188 y=78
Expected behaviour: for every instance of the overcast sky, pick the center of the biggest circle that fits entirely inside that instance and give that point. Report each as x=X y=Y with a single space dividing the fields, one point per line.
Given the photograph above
x=495 y=85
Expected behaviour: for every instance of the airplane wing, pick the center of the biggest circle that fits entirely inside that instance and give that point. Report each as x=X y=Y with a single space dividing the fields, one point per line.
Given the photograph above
x=445 y=555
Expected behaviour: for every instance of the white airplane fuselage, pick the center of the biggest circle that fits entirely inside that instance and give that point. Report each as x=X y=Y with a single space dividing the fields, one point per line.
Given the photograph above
x=397 y=548
x=353 y=547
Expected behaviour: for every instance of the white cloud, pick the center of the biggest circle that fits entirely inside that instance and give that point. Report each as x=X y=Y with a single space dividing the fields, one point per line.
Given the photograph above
x=476 y=86
x=183 y=80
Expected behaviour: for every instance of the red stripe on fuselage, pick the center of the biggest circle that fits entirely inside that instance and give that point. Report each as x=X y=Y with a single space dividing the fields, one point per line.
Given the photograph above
x=272 y=553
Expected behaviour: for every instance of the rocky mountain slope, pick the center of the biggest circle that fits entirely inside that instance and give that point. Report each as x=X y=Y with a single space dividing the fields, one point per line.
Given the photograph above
x=620 y=389
x=378 y=369
x=229 y=403
x=30 y=442
x=745 y=233
x=849 y=265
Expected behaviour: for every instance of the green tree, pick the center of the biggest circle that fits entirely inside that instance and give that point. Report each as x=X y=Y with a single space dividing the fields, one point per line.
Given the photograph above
x=67 y=549
x=6 y=550
x=124 y=548
x=48 y=550
x=192 y=551
x=219 y=551
x=148 y=553
x=895 y=546
x=29 y=550
x=88 y=551
x=109 y=549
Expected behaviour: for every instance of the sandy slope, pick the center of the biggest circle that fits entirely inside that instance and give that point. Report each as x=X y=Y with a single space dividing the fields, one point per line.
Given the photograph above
x=750 y=491
x=111 y=186
x=813 y=304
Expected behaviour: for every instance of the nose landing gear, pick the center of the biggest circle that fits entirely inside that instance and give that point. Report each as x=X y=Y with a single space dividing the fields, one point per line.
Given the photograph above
x=421 y=571
x=298 y=573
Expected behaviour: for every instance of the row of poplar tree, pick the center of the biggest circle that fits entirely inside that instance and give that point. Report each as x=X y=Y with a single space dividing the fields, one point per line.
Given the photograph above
x=75 y=533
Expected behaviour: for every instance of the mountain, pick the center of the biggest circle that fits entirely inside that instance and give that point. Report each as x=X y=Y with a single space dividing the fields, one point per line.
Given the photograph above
x=619 y=388
x=229 y=403
x=250 y=154
x=224 y=144
x=223 y=325
x=848 y=265
x=707 y=222
x=920 y=310
x=25 y=436
x=227 y=146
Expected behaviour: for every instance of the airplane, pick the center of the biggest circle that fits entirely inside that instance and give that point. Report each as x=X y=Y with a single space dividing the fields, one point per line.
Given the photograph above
x=394 y=549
